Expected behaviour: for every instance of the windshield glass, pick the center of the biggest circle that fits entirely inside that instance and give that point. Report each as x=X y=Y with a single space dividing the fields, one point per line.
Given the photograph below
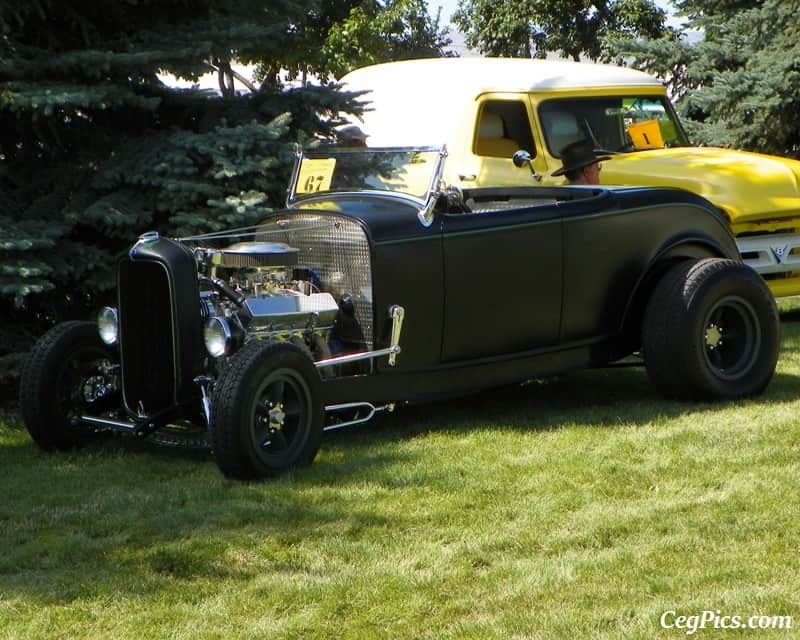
x=612 y=123
x=410 y=171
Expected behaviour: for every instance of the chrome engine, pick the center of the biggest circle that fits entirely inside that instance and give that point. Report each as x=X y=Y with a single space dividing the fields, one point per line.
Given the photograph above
x=259 y=290
x=300 y=277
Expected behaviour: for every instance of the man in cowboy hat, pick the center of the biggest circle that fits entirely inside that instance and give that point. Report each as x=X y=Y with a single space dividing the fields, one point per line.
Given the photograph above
x=581 y=165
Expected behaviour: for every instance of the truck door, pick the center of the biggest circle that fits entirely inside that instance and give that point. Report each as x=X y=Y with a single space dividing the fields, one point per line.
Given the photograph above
x=502 y=126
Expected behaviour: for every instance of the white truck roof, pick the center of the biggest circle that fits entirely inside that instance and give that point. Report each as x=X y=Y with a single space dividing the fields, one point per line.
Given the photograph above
x=421 y=102
x=478 y=75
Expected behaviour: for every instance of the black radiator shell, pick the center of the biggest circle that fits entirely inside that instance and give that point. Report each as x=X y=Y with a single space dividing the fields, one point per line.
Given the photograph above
x=161 y=328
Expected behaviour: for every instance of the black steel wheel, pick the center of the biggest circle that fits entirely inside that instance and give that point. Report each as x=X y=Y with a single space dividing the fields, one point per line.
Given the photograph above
x=267 y=411
x=68 y=372
x=711 y=331
x=731 y=337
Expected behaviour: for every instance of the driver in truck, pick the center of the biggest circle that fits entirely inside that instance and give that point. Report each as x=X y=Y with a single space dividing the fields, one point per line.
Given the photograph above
x=581 y=165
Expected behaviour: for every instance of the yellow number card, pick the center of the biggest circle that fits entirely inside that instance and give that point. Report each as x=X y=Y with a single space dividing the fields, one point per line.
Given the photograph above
x=315 y=175
x=646 y=135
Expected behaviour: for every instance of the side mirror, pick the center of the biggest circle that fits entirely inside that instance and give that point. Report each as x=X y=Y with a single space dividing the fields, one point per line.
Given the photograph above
x=521 y=158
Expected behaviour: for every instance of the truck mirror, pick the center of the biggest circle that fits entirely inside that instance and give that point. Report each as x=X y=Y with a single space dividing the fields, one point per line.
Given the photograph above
x=521 y=158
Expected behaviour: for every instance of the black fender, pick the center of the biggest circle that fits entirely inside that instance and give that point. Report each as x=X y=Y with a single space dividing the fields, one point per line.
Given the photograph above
x=675 y=250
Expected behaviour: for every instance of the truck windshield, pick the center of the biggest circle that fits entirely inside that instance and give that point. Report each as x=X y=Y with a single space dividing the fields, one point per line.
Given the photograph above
x=613 y=123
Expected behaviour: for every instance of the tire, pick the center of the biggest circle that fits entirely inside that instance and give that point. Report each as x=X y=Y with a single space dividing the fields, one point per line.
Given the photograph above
x=58 y=382
x=267 y=411
x=711 y=331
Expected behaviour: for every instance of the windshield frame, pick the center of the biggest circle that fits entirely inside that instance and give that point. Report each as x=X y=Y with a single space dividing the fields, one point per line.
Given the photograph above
x=424 y=203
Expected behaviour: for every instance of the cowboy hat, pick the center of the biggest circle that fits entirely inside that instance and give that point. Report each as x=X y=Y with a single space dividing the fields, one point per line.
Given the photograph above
x=352 y=133
x=577 y=155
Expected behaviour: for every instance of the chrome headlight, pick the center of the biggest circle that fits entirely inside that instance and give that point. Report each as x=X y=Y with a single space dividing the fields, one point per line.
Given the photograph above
x=217 y=336
x=108 y=326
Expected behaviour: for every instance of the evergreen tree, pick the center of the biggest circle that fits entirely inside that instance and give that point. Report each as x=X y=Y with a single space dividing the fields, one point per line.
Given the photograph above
x=739 y=84
x=95 y=148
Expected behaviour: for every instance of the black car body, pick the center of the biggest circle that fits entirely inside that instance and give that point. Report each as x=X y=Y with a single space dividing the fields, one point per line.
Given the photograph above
x=378 y=285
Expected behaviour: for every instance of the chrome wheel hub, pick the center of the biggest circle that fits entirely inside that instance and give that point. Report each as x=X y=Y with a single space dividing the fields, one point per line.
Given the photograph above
x=277 y=416
x=713 y=336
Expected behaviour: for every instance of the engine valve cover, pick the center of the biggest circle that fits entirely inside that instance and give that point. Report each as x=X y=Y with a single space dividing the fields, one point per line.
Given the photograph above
x=292 y=312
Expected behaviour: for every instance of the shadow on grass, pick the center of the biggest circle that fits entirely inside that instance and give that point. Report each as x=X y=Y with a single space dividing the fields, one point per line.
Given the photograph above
x=791 y=315
x=122 y=516
x=603 y=398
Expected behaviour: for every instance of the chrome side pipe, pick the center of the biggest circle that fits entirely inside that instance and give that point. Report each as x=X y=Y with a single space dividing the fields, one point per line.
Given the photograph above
x=332 y=409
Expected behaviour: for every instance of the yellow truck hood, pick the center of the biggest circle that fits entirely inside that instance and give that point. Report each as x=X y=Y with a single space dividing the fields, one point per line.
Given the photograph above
x=749 y=187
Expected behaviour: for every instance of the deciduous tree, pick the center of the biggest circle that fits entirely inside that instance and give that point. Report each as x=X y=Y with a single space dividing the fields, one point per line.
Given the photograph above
x=340 y=35
x=573 y=28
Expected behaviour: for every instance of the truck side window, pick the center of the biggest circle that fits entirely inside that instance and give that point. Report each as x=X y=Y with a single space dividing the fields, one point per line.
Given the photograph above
x=503 y=128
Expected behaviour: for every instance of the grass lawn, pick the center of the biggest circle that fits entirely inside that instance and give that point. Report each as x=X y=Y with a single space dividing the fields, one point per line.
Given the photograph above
x=582 y=507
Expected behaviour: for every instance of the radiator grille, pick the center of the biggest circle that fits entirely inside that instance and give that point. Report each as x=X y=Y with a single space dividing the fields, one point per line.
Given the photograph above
x=336 y=250
x=146 y=336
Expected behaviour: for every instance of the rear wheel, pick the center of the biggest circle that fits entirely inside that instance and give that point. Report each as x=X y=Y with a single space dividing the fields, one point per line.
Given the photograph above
x=267 y=414
x=69 y=372
x=711 y=330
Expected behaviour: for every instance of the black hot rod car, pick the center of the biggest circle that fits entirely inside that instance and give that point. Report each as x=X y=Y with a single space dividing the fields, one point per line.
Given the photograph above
x=378 y=284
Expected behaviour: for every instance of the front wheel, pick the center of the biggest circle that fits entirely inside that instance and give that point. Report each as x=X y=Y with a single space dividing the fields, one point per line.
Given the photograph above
x=711 y=331
x=267 y=411
x=69 y=372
